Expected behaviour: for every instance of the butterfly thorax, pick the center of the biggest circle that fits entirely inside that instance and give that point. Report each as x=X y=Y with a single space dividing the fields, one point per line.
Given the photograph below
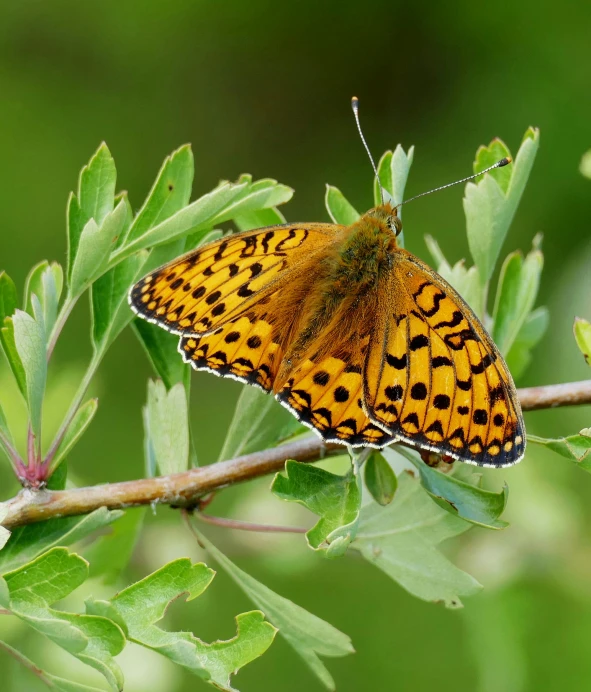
x=362 y=254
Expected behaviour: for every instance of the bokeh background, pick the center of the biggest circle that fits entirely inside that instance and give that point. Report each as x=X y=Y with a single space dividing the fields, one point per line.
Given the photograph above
x=264 y=87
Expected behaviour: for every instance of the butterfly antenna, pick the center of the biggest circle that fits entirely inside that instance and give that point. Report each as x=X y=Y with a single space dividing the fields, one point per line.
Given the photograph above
x=355 y=107
x=498 y=164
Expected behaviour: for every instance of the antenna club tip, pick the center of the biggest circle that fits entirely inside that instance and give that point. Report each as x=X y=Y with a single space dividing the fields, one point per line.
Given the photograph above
x=355 y=103
x=504 y=162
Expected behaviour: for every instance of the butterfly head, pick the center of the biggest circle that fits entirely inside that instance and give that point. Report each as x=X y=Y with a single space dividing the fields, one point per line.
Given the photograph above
x=388 y=215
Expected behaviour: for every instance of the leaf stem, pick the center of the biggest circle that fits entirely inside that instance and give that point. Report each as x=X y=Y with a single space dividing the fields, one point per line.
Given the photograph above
x=23 y=660
x=74 y=406
x=15 y=458
x=61 y=320
x=246 y=525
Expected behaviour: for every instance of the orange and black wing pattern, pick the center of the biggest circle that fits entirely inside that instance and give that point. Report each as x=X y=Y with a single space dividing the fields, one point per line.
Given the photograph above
x=434 y=378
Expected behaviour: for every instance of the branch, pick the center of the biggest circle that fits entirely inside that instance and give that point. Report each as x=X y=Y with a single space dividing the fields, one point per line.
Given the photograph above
x=183 y=489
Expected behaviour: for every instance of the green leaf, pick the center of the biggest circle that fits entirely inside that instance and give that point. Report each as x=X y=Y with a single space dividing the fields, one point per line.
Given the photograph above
x=259 y=219
x=385 y=176
x=223 y=203
x=169 y=194
x=96 y=187
x=12 y=356
x=143 y=604
x=262 y=194
x=8 y=296
x=393 y=170
x=167 y=426
x=465 y=280
x=516 y=294
x=460 y=498
x=75 y=430
x=401 y=540
x=162 y=351
x=110 y=311
x=340 y=210
x=33 y=588
x=488 y=156
x=30 y=541
x=111 y=553
x=307 y=634
x=489 y=211
x=532 y=330
x=582 y=331
x=29 y=339
x=46 y=282
x=380 y=479
x=577 y=448
x=95 y=244
x=258 y=423
x=336 y=499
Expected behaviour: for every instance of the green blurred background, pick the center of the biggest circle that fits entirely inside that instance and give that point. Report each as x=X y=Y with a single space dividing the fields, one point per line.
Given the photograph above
x=264 y=88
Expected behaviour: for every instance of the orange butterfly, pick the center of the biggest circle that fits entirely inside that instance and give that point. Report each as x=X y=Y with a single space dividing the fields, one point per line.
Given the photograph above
x=357 y=337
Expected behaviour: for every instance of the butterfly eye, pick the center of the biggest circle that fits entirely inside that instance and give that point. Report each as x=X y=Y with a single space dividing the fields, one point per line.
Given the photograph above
x=395 y=224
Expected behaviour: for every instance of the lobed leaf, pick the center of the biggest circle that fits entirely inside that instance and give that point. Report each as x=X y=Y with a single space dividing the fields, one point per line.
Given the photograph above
x=142 y=605
x=306 y=633
x=577 y=448
x=489 y=210
x=46 y=282
x=29 y=339
x=96 y=187
x=582 y=331
x=169 y=194
x=223 y=203
x=336 y=499
x=401 y=540
x=464 y=499
x=167 y=426
x=519 y=282
x=95 y=244
x=31 y=590
x=340 y=210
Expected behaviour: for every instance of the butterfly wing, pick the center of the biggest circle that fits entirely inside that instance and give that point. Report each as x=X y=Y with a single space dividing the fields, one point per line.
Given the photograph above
x=326 y=392
x=210 y=286
x=433 y=377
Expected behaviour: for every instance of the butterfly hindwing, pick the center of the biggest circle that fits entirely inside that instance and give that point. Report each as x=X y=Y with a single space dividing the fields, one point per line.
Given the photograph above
x=326 y=393
x=214 y=284
x=433 y=376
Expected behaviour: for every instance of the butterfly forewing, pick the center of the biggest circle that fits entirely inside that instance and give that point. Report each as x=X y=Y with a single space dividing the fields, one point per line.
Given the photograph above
x=211 y=285
x=433 y=377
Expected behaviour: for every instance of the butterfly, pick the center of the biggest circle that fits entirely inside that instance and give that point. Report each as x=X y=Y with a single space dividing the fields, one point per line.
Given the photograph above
x=358 y=338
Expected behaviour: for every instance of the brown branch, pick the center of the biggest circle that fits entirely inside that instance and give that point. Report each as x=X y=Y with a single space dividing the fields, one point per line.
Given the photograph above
x=183 y=489
x=554 y=395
